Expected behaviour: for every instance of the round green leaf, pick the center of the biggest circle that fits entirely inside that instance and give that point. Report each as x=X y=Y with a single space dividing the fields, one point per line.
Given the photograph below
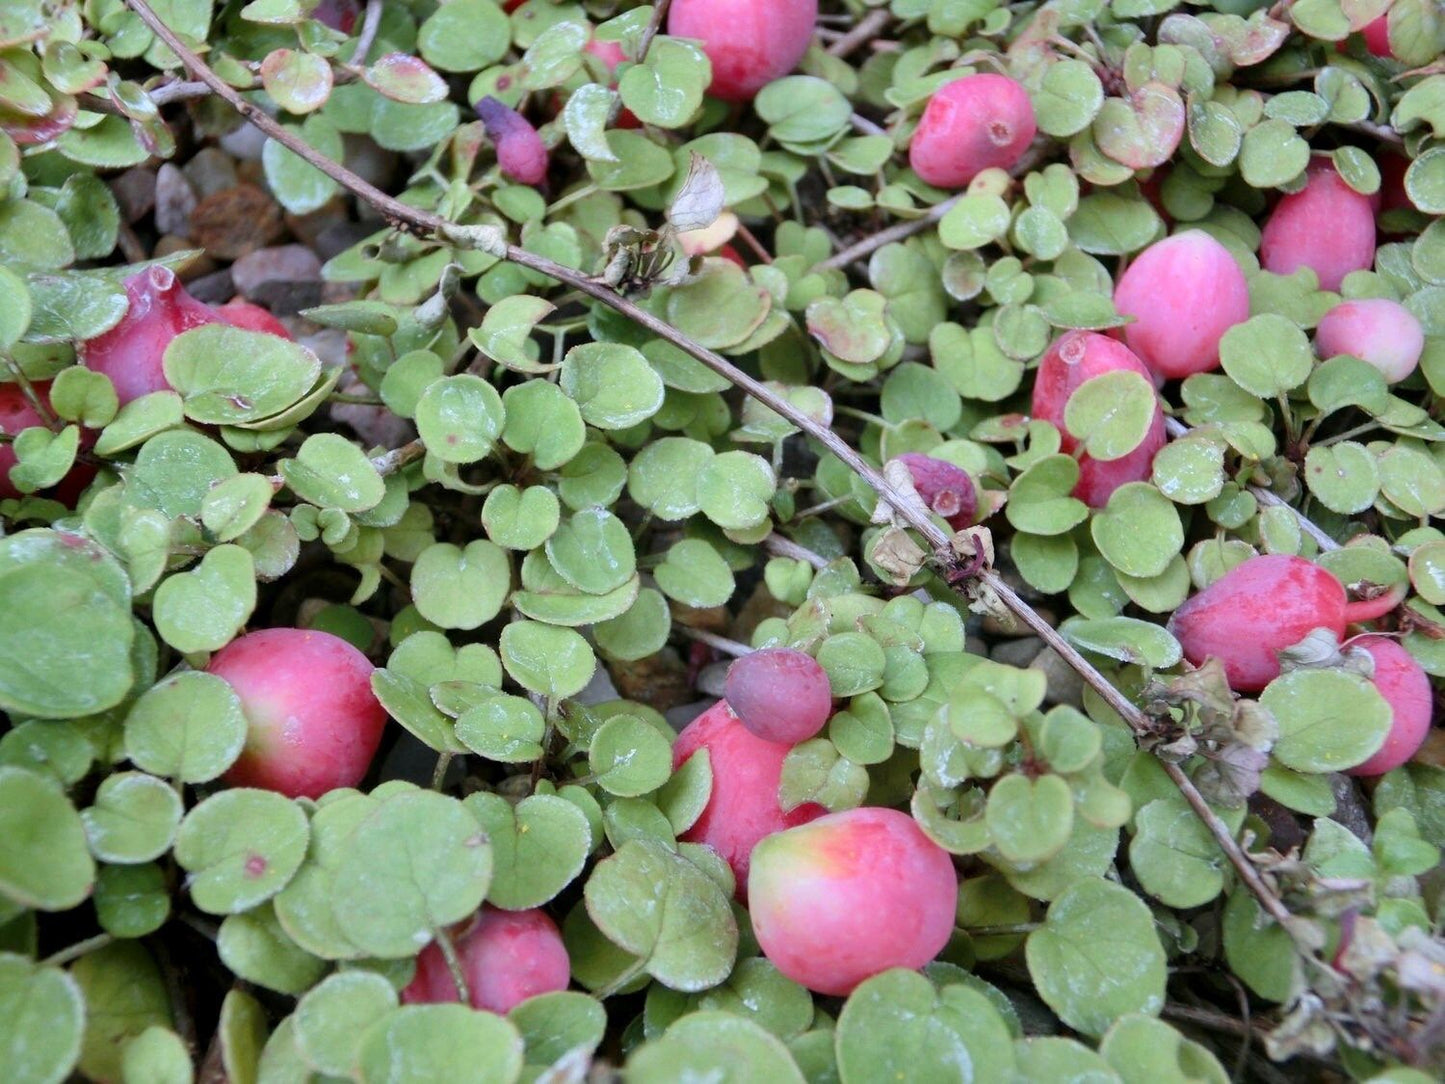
x=1139 y=531
x=663 y=477
x=716 y=1046
x=132 y=901
x=415 y=864
x=188 y=726
x=539 y=846
x=229 y=376
x=658 y=906
x=203 y=610
x=240 y=848
x=420 y=1044
x=65 y=628
x=331 y=472
x=1143 y=1050
x=1111 y=414
x=256 y=948
x=42 y=1016
x=897 y=1026
x=638 y=633
x=460 y=418
x=1175 y=858
x=629 y=757
x=554 y=662
x=461 y=588
x=1267 y=355
x=1030 y=820
x=44 y=862
x=504 y=728
x=132 y=819
x=735 y=490
x=1097 y=957
x=520 y=519
x=1329 y=720
x=332 y=1018
x=612 y=384
x=592 y=550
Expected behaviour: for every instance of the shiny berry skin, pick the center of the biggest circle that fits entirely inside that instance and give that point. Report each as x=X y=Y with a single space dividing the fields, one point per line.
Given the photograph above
x=975 y=123
x=749 y=42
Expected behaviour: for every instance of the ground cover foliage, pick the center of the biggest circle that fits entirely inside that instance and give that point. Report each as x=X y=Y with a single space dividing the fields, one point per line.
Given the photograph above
x=582 y=395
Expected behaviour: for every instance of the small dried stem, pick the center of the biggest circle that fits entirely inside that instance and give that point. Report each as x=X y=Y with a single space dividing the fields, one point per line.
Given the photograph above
x=370 y=24
x=867 y=28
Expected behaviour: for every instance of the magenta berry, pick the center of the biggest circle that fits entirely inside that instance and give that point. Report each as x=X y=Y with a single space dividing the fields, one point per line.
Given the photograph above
x=1184 y=293
x=947 y=489
x=1075 y=357
x=970 y=125
x=1406 y=688
x=506 y=957
x=1256 y=610
x=313 y=723
x=780 y=694
x=130 y=353
x=1377 y=330
x=850 y=895
x=749 y=42
x=1328 y=227
x=521 y=154
x=746 y=771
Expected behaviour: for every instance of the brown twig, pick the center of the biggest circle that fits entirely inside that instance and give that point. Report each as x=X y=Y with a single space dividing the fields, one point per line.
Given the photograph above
x=370 y=24
x=867 y=28
x=425 y=223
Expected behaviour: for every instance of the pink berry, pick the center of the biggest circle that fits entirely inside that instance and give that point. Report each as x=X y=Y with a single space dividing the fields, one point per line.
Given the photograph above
x=1075 y=357
x=506 y=957
x=1184 y=293
x=17 y=415
x=521 y=154
x=1327 y=226
x=780 y=695
x=1256 y=610
x=946 y=489
x=313 y=723
x=850 y=895
x=970 y=125
x=249 y=317
x=130 y=353
x=337 y=14
x=1377 y=330
x=750 y=42
x=746 y=771
x=1405 y=687
x=1377 y=38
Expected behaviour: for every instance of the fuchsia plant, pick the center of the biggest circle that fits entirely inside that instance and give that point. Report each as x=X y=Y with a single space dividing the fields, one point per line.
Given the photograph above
x=1184 y=293
x=970 y=125
x=521 y=154
x=1074 y=358
x=1327 y=227
x=506 y=957
x=313 y=723
x=850 y=895
x=750 y=42
x=780 y=694
x=746 y=770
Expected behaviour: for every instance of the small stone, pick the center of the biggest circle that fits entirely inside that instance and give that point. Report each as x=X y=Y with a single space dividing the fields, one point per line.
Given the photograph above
x=286 y=278
x=175 y=201
x=135 y=193
x=336 y=239
x=213 y=289
x=1018 y=652
x=976 y=645
x=211 y=170
x=367 y=160
x=1065 y=686
x=245 y=142
x=236 y=221
x=308 y=227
